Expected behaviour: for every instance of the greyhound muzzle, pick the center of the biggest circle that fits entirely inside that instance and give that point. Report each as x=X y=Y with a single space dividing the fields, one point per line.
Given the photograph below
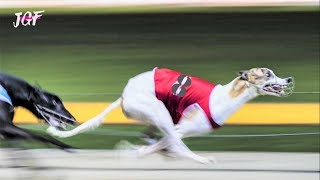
x=282 y=90
x=54 y=118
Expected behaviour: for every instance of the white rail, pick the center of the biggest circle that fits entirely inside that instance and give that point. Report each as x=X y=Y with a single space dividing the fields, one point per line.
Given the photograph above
x=139 y=134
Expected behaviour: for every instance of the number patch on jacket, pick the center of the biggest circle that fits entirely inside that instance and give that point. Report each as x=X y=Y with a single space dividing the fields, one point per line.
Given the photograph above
x=179 y=87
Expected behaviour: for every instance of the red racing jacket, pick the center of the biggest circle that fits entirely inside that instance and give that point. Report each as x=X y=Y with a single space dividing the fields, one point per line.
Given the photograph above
x=178 y=91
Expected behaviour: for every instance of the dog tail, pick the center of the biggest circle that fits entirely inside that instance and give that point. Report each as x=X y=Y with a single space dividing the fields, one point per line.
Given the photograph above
x=88 y=125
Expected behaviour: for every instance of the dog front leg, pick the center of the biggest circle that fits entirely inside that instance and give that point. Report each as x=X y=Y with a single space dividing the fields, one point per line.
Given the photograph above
x=174 y=148
x=15 y=132
x=193 y=122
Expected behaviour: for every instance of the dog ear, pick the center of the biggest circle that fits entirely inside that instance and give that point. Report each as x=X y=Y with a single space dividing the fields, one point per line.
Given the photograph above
x=243 y=75
x=37 y=85
x=34 y=94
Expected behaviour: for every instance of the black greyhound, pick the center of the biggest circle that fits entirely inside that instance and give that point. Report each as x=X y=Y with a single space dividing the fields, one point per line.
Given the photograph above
x=44 y=105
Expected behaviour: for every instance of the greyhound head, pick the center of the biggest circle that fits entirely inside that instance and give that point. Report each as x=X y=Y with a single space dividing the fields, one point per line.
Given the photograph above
x=267 y=83
x=49 y=107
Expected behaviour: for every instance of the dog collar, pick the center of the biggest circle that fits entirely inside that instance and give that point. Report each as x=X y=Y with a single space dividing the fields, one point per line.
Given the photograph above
x=4 y=96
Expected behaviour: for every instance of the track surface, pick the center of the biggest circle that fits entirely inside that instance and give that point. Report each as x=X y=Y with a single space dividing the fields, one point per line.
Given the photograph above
x=93 y=164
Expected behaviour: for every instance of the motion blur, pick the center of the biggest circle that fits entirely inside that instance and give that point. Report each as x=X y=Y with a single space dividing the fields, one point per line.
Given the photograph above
x=85 y=52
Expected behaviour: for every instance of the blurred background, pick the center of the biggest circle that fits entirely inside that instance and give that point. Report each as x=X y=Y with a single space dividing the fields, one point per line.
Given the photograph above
x=86 y=51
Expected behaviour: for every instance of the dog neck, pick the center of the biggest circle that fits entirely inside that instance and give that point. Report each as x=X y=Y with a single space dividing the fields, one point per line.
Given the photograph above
x=227 y=99
x=20 y=92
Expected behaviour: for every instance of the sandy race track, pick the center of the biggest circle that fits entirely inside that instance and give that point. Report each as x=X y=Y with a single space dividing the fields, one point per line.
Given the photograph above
x=95 y=164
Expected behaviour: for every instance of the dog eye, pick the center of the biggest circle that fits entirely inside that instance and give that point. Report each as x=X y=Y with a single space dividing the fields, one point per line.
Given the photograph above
x=267 y=75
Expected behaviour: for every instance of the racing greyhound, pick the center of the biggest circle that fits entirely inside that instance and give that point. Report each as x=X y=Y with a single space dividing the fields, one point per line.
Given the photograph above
x=44 y=105
x=181 y=106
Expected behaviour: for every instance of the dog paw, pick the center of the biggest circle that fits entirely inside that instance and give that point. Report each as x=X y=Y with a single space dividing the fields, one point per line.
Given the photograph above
x=204 y=160
x=125 y=145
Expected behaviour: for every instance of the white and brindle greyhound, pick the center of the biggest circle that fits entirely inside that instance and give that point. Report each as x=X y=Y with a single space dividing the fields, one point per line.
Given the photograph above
x=182 y=106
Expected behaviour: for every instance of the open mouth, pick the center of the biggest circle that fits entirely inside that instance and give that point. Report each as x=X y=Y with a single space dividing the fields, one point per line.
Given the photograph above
x=54 y=118
x=278 y=89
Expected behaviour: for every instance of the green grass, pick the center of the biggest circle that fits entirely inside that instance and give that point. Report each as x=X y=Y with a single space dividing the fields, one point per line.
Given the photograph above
x=306 y=143
x=88 y=53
